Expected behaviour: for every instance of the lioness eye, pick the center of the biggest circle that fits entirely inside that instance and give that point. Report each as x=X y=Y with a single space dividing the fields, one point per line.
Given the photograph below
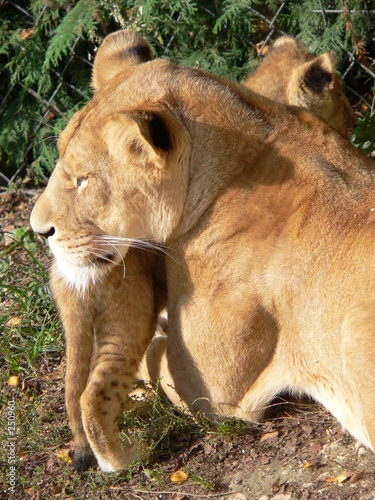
x=81 y=182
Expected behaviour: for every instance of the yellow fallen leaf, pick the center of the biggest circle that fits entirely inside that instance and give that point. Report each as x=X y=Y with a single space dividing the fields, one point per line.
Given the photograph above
x=26 y=33
x=14 y=381
x=307 y=465
x=343 y=477
x=63 y=455
x=13 y=321
x=339 y=479
x=179 y=477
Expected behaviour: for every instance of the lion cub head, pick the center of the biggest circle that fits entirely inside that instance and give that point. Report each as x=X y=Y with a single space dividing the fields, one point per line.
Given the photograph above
x=119 y=174
x=291 y=75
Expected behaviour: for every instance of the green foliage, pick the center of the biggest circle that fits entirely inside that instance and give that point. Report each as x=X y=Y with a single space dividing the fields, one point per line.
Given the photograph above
x=364 y=134
x=28 y=320
x=76 y=24
x=47 y=48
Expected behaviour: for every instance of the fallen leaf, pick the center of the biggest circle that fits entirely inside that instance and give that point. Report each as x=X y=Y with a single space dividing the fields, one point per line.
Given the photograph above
x=26 y=33
x=356 y=477
x=50 y=466
x=315 y=448
x=339 y=479
x=343 y=477
x=258 y=46
x=208 y=449
x=331 y=479
x=307 y=465
x=14 y=381
x=23 y=455
x=33 y=494
x=57 y=489
x=276 y=486
x=179 y=477
x=269 y=436
x=13 y=321
x=63 y=455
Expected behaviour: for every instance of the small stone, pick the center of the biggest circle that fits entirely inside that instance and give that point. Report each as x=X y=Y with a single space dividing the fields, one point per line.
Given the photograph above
x=362 y=451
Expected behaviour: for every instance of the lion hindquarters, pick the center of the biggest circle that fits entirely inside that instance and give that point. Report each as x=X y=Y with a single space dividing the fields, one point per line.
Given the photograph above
x=358 y=350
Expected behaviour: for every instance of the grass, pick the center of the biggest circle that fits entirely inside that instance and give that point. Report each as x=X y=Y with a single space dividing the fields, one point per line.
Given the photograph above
x=32 y=349
x=28 y=320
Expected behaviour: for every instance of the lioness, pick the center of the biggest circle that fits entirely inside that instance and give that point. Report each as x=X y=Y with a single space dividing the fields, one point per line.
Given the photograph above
x=268 y=219
x=291 y=75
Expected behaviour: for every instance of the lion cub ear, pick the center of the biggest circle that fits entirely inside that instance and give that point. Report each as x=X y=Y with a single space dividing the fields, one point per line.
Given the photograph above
x=285 y=40
x=312 y=79
x=118 y=52
x=156 y=137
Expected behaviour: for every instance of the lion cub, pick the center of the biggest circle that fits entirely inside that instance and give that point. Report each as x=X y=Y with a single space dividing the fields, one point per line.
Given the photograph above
x=108 y=311
x=291 y=75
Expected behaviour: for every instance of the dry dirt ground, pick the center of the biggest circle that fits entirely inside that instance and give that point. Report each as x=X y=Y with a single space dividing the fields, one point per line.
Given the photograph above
x=299 y=452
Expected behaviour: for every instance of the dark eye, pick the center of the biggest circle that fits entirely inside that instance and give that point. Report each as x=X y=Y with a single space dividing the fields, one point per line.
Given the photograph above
x=81 y=182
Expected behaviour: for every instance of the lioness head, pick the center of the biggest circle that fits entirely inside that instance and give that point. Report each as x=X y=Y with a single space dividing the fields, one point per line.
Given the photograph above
x=120 y=170
x=144 y=159
x=291 y=75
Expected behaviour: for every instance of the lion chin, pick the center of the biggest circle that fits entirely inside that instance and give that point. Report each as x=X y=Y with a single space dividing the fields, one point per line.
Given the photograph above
x=79 y=277
x=82 y=275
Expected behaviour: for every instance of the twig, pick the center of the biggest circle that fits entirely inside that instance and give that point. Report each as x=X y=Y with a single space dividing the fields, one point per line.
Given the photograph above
x=43 y=101
x=23 y=11
x=333 y=11
x=323 y=12
x=173 y=492
x=83 y=94
x=365 y=101
x=272 y=27
x=4 y=177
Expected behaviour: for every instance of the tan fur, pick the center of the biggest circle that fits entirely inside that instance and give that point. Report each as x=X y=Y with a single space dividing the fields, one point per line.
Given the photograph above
x=291 y=75
x=268 y=220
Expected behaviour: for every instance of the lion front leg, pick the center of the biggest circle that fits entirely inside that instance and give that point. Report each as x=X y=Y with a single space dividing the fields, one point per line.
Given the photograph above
x=77 y=373
x=114 y=367
x=123 y=331
x=76 y=315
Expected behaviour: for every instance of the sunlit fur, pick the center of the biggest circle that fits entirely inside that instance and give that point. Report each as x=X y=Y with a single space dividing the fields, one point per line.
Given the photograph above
x=268 y=218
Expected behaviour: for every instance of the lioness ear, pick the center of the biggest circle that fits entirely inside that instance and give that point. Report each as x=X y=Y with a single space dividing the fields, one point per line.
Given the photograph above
x=119 y=51
x=318 y=74
x=152 y=136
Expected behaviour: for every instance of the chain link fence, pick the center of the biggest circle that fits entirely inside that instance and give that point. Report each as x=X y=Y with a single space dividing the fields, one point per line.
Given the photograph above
x=358 y=62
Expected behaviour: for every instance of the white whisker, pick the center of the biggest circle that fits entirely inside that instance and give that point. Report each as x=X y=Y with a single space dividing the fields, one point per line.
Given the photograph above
x=51 y=138
x=119 y=241
x=122 y=259
x=93 y=264
x=102 y=257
